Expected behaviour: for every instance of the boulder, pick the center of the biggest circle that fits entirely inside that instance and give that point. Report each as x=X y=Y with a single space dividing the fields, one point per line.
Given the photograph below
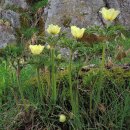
x=10 y=16
x=20 y=3
x=74 y=12
x=7 y=33
x=85 y=12
x=6 y=36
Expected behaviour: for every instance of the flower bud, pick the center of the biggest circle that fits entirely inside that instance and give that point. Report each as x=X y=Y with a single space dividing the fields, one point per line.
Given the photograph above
x=48 y=47
x=62 y=118
x=59 y=56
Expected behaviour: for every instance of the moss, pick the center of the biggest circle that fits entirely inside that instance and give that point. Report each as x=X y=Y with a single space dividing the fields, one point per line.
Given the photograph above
x=24 y=20
x=117 y=75
x=41 y=26
x=45 y=77
x=66 y=20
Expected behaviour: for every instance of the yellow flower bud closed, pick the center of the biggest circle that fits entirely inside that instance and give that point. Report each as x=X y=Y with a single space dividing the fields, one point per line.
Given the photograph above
x=53 y=29
x=22 y=61
x=77 y=32
x=109 y=14
x=62 y=118
x=48 y=47
x=36 y=49
x=59 y=56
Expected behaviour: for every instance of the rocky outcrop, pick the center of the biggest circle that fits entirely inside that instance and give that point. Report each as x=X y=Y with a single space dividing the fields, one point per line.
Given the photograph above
x=85 y=12
x=74 y=12
x=20 y=3
x=82 y=13
x=10 y=16
x=7 y=33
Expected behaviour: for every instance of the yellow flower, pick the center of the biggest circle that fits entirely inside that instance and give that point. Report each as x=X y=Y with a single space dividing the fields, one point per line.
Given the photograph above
x=62 y=118
x=53 y=29
x=36 y=49
x=109 y=14
x=77 y=32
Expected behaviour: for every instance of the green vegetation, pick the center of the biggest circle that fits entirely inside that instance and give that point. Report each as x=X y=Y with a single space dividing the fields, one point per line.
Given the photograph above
x=89 y=90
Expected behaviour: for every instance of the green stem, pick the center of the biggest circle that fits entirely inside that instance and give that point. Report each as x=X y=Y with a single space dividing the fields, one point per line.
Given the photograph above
x=76 y=107
x=70 y=80
x=16 y=100
x=125 y=109
x=21 y=91
x=53 y=76
x=99 y=89
x=90 y=105
x=38 y=82
x=103 y=56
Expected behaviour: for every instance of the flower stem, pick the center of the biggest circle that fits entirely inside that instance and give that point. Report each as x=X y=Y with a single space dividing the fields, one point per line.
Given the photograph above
x=103 y=56
x=90 y=105
x=70 y=80
x=38 y=82
x=53 y=76
x=20 y=89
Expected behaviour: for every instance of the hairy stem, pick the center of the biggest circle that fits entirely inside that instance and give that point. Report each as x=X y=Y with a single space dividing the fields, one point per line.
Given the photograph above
x=53 y=76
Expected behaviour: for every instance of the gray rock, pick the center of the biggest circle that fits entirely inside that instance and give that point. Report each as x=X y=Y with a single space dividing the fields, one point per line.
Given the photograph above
x=74 y=12
x=11 y=16
x=20 y=3
x=6 y=36
x=7 y=33
x=85 y=12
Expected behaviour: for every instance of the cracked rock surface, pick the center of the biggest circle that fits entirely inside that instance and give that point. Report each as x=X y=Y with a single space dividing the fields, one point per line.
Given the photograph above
x=85 y=12
x=79 y=12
